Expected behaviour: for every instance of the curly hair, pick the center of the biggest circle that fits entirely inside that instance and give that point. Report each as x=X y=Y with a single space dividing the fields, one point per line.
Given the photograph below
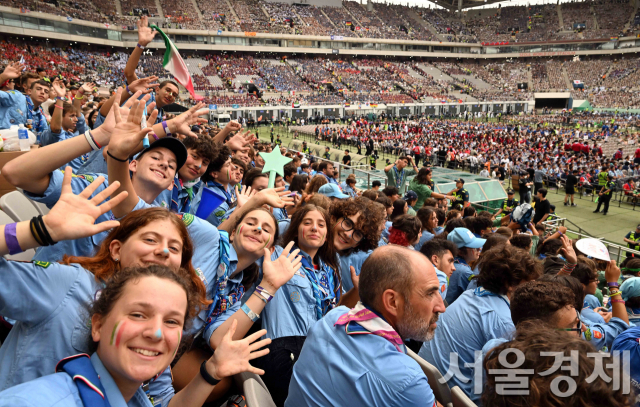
x=531 y=339
x=371 y=217
x=506 y=266
x=539 y=300
x=571 y=283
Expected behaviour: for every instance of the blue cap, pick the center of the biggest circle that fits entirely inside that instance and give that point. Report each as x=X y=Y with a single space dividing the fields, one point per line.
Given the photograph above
x=410 y=196
x=462 y=237
x=332 y=191
x=630 y=288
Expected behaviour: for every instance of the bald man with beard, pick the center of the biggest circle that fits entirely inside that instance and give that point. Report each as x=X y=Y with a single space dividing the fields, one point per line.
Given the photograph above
x=357 y=357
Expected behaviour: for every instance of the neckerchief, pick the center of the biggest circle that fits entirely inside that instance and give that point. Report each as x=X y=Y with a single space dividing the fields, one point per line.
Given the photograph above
x=85 y=377
x=481 y=292
x=37 y=124
x=222 y=302
x=323 y=288
x=362 y=321
x=179 y=185
x=399 y=176
x=217 y=185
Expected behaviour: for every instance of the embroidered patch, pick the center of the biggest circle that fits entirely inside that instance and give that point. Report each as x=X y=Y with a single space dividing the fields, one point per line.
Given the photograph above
x=187 y=218
x=87 y=177
x=201 y=275
x=444 y=287
x=587 y=334
x=43 y=264
x=597 y=334
x=219 y=213
x=294 y=296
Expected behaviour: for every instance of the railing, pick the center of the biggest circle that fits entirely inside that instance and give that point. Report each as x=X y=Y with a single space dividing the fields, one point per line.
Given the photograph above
x=615 y=250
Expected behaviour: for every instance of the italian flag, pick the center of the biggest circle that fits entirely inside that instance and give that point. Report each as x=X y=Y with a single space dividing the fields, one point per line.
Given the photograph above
x=174 y=63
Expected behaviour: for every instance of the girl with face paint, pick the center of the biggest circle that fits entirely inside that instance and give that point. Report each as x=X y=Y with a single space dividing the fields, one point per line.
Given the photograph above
x=135 y=334
x=313 y=291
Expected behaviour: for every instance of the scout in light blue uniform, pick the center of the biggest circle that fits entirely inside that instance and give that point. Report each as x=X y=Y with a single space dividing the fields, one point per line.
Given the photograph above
x=629 y=341
x=444 y=282
x=49 y=137
x=355 y=259
x=337 y=369
x=37 y=117
x=463 y=274
x=468 y=324
x=60 y=390
x=591 y=301
x=292 y=311
x=631 y=291
x=80 y=247
x=13 y=109
x=426 y=236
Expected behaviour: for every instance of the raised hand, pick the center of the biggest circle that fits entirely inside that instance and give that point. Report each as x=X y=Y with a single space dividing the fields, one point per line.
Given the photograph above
x=276 y=273
x=244 y=195
x=145 y=33
x=612 y=272
x=241 y=141
x=59 y=87
x=233 y=126
x=145 y=85
x=127 y=134
x=103 y=133
x=182 y=123
x=74 y=216
x=13 y=70
x=568 y=251
x=275 y=197
x=232 y=357
x=87 y=88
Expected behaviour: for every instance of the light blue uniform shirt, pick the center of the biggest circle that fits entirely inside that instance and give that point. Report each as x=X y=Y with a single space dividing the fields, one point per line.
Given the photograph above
x=94 y=163
x=602 y=335
x=426 y=236
x=459 y=280
x=591 y=301
x=475 y=318
x=336 y=369
x=385 y=232
x=49 y=137
x=217 y=216
x=355 y=259
x=13 y=109
x=79 y=247
x=60 y=390
x=292 y=311
x=444 y=282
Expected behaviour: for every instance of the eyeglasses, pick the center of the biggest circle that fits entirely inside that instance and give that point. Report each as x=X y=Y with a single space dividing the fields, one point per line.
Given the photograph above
x=577 y=329
x=347 y=224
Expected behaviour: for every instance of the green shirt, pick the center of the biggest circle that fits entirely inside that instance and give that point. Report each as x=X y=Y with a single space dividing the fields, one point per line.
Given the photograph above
x=411 y=212
x=423 y=192
x=406 y=172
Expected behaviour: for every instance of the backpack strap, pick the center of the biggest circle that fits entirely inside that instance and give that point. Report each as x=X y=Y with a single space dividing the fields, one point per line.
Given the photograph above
x=84 y=375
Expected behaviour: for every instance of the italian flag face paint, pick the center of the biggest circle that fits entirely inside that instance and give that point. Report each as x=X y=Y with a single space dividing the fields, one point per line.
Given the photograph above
x=239 y=230
x=116 y=334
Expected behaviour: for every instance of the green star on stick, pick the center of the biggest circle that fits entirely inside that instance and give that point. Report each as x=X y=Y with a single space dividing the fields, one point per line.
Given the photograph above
x=274 y=163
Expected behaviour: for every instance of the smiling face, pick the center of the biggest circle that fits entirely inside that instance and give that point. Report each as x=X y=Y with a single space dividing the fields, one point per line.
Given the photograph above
x=194 y=167
x=254 y=233
x=155 y=243
x=343 y=240
x=312 y=231
x=167 y=95
x=139 y=337
x=156 y=167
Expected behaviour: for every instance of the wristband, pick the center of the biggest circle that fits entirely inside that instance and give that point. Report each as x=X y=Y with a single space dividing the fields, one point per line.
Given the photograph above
x=613 y=284
x=34 y=232
x=261 y=298
x=91 y=141
x=165 y=127
x=206 y=376
x=117 y=159
x=128 y=91
x=94 y=140
x=264 y=293
x=81 y=97
x=154 y=136
x=140 y=46
x=252 y=315
x=620 y=301
x=58 y=107
x=11 y=238
x=611 y=294
x=47 y=236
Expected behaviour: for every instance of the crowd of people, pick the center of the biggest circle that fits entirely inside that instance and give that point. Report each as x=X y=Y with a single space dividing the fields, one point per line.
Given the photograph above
x=517 y=23
x=169 y=262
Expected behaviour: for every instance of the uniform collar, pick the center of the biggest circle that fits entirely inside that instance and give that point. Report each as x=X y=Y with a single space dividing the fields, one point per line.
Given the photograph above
x=112 y=392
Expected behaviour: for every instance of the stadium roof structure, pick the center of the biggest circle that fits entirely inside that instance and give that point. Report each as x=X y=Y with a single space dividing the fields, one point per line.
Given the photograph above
x=454 y=5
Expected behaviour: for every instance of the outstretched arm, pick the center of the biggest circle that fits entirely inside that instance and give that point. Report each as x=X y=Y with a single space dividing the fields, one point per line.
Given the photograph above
x=145 y=36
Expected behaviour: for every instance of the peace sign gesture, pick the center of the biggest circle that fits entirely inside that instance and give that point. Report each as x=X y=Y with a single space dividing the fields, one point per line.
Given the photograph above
x=276 y=273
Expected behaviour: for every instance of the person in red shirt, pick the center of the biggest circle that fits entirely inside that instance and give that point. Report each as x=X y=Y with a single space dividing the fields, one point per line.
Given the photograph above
x=636 y=160
x=577 y=147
